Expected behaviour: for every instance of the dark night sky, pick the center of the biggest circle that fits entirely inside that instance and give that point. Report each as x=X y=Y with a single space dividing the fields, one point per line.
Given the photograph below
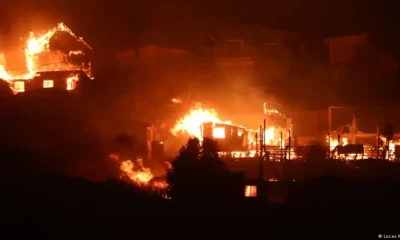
x=119 y=23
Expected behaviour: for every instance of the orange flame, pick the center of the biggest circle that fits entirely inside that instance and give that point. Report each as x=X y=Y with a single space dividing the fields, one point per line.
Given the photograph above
x=71 y=82
x=37 y=44
x=190 y=124
x=139 y=174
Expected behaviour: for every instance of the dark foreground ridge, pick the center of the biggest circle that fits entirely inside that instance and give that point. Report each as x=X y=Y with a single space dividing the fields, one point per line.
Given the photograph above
x=34 y=200
x=59 y=202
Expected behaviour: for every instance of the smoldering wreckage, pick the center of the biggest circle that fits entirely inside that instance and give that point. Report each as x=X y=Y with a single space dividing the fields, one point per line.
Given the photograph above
x=58 y=59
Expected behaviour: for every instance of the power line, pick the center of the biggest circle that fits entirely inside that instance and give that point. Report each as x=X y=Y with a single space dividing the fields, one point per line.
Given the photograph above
x=16 y=69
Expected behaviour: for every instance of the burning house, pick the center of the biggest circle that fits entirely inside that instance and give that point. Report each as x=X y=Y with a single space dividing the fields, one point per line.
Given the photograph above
x=234 y=140
x=56 y=58
x=67 y=80
x=230 y=138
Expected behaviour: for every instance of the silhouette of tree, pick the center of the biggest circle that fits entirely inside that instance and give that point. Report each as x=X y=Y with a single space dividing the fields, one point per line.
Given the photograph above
x=198 y=175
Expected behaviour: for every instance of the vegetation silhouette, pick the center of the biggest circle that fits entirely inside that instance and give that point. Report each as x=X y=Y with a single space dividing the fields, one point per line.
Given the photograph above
x=199 y=176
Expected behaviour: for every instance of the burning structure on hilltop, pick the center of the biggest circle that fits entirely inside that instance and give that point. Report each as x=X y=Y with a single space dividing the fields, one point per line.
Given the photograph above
x=57 y=50
x=235 y=140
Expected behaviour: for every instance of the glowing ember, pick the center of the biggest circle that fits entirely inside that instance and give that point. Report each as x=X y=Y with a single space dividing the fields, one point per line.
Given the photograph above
x=176 y=100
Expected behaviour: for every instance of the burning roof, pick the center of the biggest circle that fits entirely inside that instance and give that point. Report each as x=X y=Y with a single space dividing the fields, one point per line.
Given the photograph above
x=57 y=49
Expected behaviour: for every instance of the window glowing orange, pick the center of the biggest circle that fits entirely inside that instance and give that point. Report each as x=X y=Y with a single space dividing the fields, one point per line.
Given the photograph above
x=250 y=191
x=19 y=86
x=240 y=133
x=71 y=82
x=48 y=83
x=219 y=132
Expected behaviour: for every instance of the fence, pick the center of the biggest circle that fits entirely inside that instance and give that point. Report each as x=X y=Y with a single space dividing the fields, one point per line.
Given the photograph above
x=343 y=152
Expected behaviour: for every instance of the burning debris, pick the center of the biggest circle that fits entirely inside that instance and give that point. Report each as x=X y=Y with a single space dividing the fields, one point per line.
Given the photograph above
x=41 y=57
x=142 y=176
x=138 y=174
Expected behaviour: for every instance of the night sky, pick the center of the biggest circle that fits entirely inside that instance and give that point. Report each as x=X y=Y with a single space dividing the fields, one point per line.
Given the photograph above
x=114 y=25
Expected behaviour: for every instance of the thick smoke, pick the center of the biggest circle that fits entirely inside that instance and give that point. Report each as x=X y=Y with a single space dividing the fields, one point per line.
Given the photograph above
x=238 y=100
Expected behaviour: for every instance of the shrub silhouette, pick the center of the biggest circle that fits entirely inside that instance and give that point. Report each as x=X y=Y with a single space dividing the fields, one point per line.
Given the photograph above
x=198 y=175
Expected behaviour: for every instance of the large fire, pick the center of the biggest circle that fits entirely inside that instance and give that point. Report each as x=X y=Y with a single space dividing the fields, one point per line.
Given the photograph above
x=191 y=123
x=36 y=45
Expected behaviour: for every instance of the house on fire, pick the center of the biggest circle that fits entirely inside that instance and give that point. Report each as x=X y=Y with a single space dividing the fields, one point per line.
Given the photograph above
x=59 y=60
x=67 y=80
